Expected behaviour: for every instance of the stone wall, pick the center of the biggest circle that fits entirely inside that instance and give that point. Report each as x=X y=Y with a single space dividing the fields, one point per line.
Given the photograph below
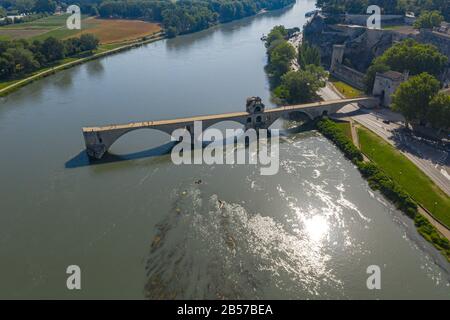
x=362 y=45
x=349 y=75
x=440 y=40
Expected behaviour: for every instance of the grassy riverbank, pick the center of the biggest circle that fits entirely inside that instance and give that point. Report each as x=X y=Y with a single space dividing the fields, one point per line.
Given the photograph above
x=9 y=86
x=345 y=128
x=392 y=176
x=411 y=178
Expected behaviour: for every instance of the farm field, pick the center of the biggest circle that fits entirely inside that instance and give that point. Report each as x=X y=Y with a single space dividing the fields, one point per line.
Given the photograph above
x=118 y=30
x=107 y=30
x=38 y=28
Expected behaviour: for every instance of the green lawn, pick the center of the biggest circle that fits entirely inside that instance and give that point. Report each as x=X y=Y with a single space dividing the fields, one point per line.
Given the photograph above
x=347 y=90
x=58 y=33
x=49 y=22
x=392 y=27
x=51 y=26
x=345 y=127
x=405 y=173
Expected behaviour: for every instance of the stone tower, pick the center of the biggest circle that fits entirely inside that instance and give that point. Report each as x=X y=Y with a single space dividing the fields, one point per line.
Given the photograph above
x=337 y=56
x=255 y=108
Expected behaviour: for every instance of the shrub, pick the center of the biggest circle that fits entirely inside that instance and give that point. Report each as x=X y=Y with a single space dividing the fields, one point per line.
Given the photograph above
x=378 y=180
x=330 y=130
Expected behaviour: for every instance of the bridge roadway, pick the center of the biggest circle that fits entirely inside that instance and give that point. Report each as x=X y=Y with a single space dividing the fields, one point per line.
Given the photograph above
x=99 y=139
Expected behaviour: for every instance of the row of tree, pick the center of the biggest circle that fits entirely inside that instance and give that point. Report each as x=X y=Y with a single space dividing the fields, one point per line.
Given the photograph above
x=379 y=180
x=185 y=16
x=21 y=57
x=387 y=6
x=29 y=6
x=293 y=86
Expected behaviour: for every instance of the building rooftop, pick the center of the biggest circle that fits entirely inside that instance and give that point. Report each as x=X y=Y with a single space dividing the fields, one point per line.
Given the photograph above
x=393 y=75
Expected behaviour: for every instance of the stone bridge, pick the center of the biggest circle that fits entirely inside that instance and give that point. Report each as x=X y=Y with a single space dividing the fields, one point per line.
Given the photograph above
x=99 y=139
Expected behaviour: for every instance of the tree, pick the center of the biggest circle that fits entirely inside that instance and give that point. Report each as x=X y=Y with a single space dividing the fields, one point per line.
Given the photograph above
x=308 y=55
x=52 y=49
x=2 y=12
x=302 y=85
x=280 y=59
x=439 y=111
x=277 y=33
x=22 y=60
x=414 y=57
x=6 y=68
x=25 y=6
x=412 y=98
x=88 y=42
x=360 y=6
x=371 y=73
x=428 y=19
x=48 y=6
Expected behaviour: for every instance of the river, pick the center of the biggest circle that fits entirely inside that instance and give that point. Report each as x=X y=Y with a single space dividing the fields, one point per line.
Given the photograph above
x=142 y=227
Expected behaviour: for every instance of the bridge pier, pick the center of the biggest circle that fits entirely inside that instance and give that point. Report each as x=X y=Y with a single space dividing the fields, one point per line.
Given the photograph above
x=95 y=148
x=98 y=142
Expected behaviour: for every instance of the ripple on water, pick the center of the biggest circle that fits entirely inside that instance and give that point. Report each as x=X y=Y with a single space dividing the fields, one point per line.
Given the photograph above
x=218 y=249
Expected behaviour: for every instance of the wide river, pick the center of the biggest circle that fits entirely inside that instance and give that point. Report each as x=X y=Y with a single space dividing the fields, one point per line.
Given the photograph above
x=142 y=227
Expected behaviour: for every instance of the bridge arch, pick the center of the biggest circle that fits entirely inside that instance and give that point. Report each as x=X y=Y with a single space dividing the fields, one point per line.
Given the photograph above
x=137 y=140
x=296 y=115
x=99 y=142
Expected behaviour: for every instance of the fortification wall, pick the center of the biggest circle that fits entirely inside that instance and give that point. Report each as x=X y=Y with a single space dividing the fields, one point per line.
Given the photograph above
x=440 y=40
x=349 y=75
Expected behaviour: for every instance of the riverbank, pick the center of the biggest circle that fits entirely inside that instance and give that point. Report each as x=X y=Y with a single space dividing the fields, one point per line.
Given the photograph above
x=315 y=222
x=8 y=86
x=378 y=173
x=102 y=51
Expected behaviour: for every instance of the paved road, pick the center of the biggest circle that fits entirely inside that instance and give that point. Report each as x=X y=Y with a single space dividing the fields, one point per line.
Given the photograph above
x=433 y=161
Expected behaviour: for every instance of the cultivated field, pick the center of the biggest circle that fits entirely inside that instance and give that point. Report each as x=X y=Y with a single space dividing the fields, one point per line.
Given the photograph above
x=118 y=30
x=107 y=30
